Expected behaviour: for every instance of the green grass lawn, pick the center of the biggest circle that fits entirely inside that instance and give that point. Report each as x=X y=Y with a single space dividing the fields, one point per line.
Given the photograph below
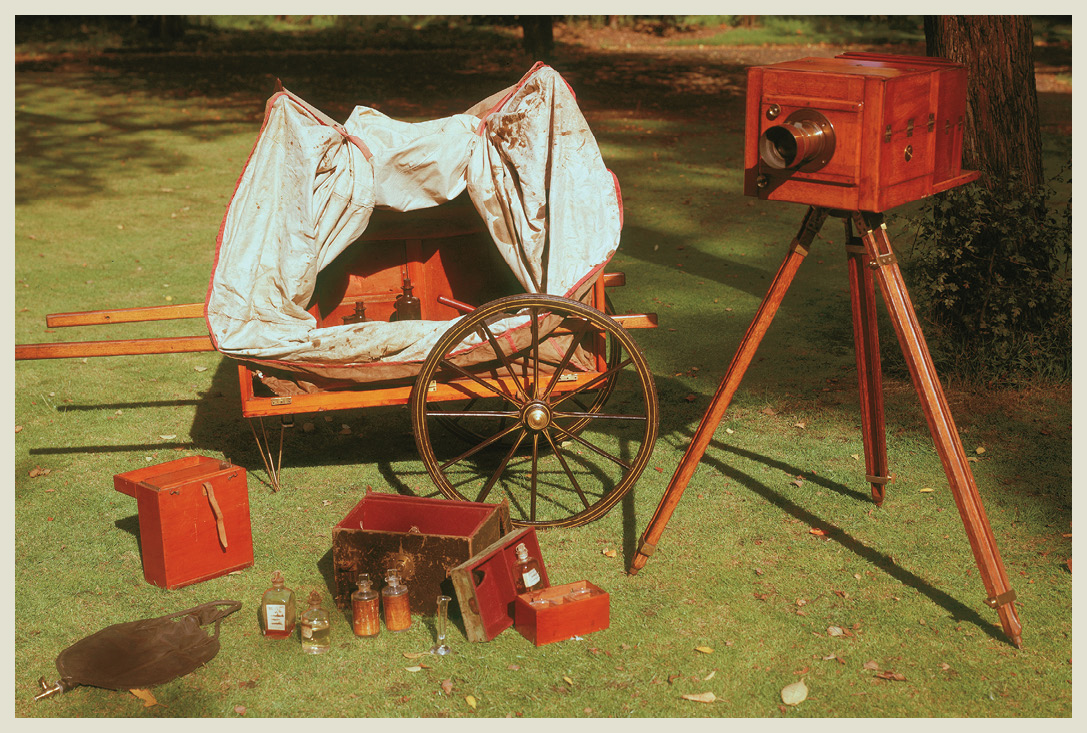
x=120 y=190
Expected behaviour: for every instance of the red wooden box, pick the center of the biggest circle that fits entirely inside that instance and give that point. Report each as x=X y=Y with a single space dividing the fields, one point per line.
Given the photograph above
x=484 y=585
x=194 y=519
x=422 y=537
x=896 y=125
x=553 y=614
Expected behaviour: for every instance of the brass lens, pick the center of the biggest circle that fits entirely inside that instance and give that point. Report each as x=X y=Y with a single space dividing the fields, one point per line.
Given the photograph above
x=805 y=141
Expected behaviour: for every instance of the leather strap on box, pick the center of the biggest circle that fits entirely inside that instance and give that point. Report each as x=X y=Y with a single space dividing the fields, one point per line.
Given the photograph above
x=219 y=525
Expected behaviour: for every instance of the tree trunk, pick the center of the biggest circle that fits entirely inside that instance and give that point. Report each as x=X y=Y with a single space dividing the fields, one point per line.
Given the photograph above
x=539 y=39
x=1003 y=131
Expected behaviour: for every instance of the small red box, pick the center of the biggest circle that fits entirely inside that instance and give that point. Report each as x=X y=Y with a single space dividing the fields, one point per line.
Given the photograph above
x=194 y=519
x=561 y=612
x=484 y=585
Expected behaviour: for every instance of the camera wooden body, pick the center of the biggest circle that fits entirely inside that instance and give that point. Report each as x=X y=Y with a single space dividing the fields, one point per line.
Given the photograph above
x=857 y=132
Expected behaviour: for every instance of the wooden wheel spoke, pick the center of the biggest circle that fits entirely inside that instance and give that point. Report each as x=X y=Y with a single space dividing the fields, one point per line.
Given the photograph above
x=502 y=357
x=600 y=378
x=532 y=486
x=463 y=372
x=535 y=354
x=502 y=466
x=569 y=474
x=598 y=416
x=472 y=413
x=477 y=448
x=565 y=360
x=590 y=446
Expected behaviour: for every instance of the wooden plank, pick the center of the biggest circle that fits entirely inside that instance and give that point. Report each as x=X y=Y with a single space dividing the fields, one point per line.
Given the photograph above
x=126 y=315
x=129 y=347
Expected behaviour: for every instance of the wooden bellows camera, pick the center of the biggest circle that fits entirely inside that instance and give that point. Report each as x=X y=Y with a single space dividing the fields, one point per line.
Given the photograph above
x=857 y=132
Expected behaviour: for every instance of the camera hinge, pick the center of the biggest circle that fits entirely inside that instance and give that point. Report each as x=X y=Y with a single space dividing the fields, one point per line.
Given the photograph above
x=931 y=121
x=909 y=127
x=887 y=134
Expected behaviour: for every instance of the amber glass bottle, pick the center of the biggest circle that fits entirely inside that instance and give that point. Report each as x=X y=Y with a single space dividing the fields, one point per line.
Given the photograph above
x=394 y=597
x=277 y=614
x=526 y=571
x=366 y=621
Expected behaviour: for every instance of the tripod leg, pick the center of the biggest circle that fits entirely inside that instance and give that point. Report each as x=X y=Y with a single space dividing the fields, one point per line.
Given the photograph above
x=862 y=297
x=944 y=434
x=813 y=221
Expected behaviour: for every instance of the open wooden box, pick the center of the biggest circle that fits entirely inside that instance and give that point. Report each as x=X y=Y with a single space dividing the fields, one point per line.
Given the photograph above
x=423 y=538
x=489 y=602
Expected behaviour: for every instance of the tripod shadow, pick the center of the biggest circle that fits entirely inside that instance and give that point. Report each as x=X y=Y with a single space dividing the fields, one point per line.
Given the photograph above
x=959 y=612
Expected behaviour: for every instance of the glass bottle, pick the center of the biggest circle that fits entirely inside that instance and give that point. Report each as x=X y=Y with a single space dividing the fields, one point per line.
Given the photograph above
x=407 y=306
x=440 y=647
x=277 y=615
x=394 y=597
x=316 y=627
x=526 y=571
x=366 y=620
x=359 y=316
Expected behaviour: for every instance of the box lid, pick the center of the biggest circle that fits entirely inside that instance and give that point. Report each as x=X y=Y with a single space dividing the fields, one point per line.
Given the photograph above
x=485 y=588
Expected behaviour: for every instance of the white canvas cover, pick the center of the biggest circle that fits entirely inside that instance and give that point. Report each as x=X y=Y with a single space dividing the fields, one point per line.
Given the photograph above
x=526 y=157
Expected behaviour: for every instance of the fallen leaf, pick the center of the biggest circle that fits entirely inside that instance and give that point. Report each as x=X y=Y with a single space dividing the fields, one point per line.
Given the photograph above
x=18 y=428
x=39 y=471
x=891 y=676
x=200 y=369
x=706 y=697
x=326 y=502
x=710 y=676
x=841 y=594
x=730 y=431
x=148 y=699
x=979 y=450
x=817 y=532
x=447 y=687
x=803 y=670
x=239 y=709
x=513 y=667
x=704 y=649
x=609 y=553
x=799 y=425
x=927 y=491
x=567 y=680
x=835 y=631
x=673 y=677
x=798 y=482
x=855 y=456
x=415 y=655
x=945 y=666
x=870 y=664
x=167 y=437
x=768 y=410
x=691 y=397
x=795 y=693
x=471 y=702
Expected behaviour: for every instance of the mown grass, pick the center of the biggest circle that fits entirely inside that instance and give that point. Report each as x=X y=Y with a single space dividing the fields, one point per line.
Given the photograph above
x=119 y=195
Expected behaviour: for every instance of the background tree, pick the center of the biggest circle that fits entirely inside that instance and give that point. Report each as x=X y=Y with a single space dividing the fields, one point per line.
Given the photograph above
x=539 y=38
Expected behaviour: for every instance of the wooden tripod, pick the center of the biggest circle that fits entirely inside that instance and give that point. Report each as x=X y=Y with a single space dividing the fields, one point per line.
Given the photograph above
x=868 y=254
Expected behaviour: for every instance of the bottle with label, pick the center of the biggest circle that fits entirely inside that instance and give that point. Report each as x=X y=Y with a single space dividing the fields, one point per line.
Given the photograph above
x=315 y=627
x=277 y=613
x=394 y=597
x=366 y=620
x=407 y=306
x=526 y=571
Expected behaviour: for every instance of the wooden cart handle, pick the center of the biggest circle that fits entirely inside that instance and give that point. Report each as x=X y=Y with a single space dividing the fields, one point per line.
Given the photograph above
x=210 y=493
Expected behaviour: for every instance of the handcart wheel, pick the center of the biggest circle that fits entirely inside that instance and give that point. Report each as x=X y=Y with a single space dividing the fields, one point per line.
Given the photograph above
x=525 y=373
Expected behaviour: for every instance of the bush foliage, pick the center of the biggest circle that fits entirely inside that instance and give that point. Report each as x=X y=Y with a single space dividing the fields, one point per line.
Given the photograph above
x=991 y=271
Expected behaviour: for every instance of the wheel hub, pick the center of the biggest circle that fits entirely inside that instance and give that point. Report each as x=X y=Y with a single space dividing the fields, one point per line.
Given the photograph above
x=536 y=416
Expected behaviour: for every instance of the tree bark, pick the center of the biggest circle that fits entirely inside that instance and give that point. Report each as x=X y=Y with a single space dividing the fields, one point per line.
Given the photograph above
x=539 y=39
x=1003 y=130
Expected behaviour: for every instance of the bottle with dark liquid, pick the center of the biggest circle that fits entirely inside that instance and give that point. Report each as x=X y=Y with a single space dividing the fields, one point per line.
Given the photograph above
x=407 y=306
x=358 y=316
x=526 y=571
x=366 y=621
x=316 y=627
x=394 y=597
x=277 y=615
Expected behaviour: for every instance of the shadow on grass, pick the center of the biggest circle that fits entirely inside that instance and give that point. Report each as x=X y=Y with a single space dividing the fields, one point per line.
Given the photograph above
x=834 y=533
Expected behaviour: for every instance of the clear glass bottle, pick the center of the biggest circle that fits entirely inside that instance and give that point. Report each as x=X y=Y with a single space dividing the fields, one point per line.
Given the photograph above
x=526 y=571
x=394 y=597
x=366 y=620
x=315 y=627
x=277 y=614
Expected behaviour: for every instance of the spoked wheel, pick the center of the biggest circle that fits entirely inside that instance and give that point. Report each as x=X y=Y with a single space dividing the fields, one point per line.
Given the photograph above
x=540 y=400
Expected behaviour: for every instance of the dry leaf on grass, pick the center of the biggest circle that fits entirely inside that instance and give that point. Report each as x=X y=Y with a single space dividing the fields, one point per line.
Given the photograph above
x=148 y=699
x=710 y=676
x=609 y=553
x=816 y=531
x=870 y=664
x=200 y=369
x=415 y=655
x=18 y=428
x=835 y=631
x=795 y=693
x=416 y=668
x=447 y=687
x=979 y=450
x=704 y=649
x=927 y=490
x=768 y=411
x=889 y=675
x=239 y=709
x=39 y=471
x=471 y=702
x=706 y=697
x=567 y=680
